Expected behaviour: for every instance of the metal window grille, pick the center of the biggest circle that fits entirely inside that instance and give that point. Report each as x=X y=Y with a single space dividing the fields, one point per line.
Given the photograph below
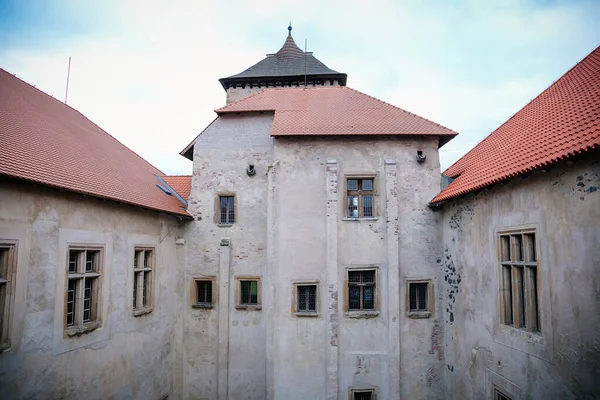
x=418 y=296
x=227 y=209
x=518 y=282
x=360 y=198
x=7 y=273
x=361 y=290
x=204 y=292
x=307 y=298
x=249 y=293
x=83 y=281
x=143 y=267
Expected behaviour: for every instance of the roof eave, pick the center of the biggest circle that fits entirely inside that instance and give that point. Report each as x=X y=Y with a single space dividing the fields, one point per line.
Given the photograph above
x=245 y=80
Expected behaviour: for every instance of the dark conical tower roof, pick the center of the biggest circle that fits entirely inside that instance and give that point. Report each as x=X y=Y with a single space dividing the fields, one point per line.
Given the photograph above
x=288 y=65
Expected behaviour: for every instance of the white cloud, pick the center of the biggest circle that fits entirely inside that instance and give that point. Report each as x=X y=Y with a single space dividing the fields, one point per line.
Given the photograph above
x=149 y=76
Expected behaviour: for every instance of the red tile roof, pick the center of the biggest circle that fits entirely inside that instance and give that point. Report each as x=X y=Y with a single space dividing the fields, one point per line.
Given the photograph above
x=334 y=110
x=182 y=184
x=561 y=122
x=48 y=142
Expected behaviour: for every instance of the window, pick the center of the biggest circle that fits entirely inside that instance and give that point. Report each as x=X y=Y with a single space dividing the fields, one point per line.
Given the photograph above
x=227 y=210
x=362 y=394
x=419 y=298
x=202 y=293
x=361 y=290
x=518 y=281
x=143 y=268
x=248 y=293
x=498 y=395
x=8 y=264
x=84 y=268
x=304 y=299
x=360 y=197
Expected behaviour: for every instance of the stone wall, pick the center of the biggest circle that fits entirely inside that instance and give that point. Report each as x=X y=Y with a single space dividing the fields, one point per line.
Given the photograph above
x=291 y=228
x=561 y=361
x=240 y=92
x=127 y=356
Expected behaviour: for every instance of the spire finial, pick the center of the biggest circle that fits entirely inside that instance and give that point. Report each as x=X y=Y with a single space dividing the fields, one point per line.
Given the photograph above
x=290 y=28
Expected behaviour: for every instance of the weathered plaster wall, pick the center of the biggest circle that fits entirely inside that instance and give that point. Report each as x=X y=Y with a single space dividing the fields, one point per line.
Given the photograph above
x=290 y=227
x=128 y=357
x=563 y=362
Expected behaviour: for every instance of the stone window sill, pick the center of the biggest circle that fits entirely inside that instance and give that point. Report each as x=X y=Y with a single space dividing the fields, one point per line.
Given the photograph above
x=224 y=225
x=249 y=307
x=418 y=314
x=199 y=306
x=142 y=311
x=367 y=219
x=362 y=314
x=81 y=330
x=307 y=314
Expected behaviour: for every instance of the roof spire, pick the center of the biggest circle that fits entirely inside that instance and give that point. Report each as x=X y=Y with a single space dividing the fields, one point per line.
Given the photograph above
x=290 y=28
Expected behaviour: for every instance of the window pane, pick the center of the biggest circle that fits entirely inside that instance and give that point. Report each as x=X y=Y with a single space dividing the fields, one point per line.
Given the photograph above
x=368 y=297
x=90 y=261
x=136 y=277
x=223 y=210
x=412 y=296
x=231 y=210
x=146 y=288
x=254 y=292
x=354 y=276
x=71 y=301
x=368 y=276
x=312 y=298
x=367 y=206
x=249 y=292
x=363 y=396
x=302 y=298
x=136 y=257
x=354 y=298
x=422 y=296
x=353 y=206
x=352 y=184
x=367 y=184
x=147 y=258
x=87 y=300
x=73 y=260
x=204 y=292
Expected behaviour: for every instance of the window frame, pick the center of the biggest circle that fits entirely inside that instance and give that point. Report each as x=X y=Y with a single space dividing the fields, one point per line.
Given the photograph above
x=194 y=292
x=295 y=298
x=139 y=287
x=352 y=393
x=362 y=313
x=9 y=255
x=519 y=277
x=79 y=276
x=375 y=194
x=429 y=299
x=217 y=209
x=238 y=293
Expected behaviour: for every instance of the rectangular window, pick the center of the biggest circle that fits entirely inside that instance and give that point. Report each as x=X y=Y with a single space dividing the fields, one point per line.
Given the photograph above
x=227 y=209
x=82 y=306
x=518 y=280
x=498 y=395
x=418 y=296
x=368 y=394
x=143 y=269
x=307 y=298
x=361 y=290
x=8 y=265
x=360 y=197
x=249 y=292
x=204 y=292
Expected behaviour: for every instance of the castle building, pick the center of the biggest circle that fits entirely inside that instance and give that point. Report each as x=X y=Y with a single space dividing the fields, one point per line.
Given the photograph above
x=312 y=253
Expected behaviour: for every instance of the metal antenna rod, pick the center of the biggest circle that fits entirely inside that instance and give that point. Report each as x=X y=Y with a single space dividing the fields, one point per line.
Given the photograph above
x=305 y=44
x=68 y=74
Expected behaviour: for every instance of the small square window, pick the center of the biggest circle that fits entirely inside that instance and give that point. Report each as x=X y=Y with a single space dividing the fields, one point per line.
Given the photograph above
x=419 y=298
x=363 y=394
x=361 y=290
x=360 y=197
x=248 y=293
x=305 y=300
x=202 y=294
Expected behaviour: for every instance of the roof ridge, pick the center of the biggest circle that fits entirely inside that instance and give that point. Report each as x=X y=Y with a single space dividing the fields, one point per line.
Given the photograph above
x=401 y=109
x=494 y=132
x=81 y=114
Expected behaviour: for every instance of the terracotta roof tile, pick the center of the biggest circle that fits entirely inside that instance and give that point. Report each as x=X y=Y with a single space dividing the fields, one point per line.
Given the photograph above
x=334 y=110
x=182 y=184
x=561 y=122
x=48 y=142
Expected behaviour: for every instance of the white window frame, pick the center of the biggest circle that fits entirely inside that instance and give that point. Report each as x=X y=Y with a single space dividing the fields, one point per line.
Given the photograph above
x=144 y=271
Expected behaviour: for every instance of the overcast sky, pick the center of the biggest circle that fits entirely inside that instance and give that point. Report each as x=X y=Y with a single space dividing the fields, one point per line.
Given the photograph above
x=147 y=71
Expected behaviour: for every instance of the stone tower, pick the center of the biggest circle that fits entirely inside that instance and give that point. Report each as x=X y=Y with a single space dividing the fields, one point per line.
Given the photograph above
x=290 y=66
